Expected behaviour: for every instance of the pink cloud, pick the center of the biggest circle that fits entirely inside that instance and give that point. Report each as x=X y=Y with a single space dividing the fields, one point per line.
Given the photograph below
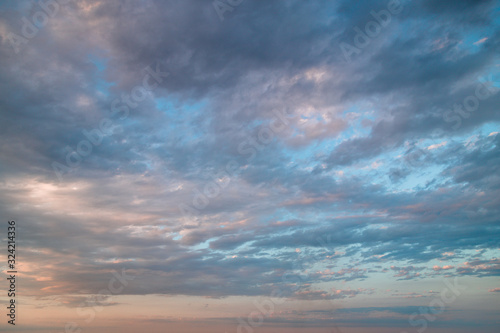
x=438 y=268
x=482 y=40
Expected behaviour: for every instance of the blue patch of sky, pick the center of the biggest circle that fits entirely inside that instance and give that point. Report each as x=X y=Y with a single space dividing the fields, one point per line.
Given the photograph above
x=311 y=156
x=100 y=84
x=280 y=214
x=180 y=118
x=15 y=5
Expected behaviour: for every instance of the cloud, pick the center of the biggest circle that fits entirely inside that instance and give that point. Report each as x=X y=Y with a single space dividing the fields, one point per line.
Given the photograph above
x=408 y=272
x=480 y=268
x=321 y=148
x=444 y=268
x=345 y=274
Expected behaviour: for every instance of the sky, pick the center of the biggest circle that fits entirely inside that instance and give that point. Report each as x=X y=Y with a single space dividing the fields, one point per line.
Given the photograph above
x=251 y=166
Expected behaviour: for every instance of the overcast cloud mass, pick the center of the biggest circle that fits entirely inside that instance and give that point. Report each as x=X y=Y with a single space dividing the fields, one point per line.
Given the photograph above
x=251 y=166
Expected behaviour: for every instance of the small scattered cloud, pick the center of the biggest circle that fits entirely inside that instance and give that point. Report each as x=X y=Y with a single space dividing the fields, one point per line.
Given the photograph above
x=482 y=40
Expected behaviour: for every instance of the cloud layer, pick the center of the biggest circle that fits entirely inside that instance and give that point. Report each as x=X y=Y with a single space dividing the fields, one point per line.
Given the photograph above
x=237 y=157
